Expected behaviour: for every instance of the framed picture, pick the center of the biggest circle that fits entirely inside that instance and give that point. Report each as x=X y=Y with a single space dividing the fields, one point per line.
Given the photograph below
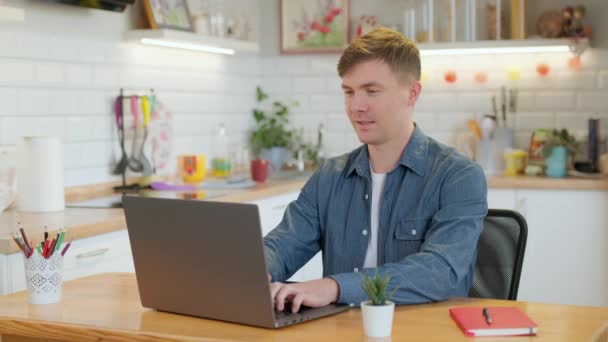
x=314 y=26
x=169 y=14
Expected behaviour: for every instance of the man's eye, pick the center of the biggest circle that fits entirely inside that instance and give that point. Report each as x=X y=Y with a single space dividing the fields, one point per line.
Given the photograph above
x=372 y=91
x=348 y=92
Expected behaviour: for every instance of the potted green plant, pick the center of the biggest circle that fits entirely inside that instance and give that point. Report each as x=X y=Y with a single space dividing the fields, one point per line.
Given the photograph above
x=271 y=137
x=557 y=148
x=378 y=310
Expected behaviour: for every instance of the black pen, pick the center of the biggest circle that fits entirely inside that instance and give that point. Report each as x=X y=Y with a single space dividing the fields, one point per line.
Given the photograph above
x=486 y=314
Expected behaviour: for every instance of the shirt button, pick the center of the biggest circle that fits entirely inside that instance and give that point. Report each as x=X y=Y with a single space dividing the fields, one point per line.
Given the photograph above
x=356 y=269
x=413 y=231
x=366 y=196
x=364 y=232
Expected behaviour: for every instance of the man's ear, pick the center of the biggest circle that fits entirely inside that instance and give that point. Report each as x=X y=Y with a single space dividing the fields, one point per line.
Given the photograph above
x=414 y=92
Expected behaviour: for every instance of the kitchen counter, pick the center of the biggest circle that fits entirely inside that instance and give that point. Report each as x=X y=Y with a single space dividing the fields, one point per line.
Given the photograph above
x=85 y=222
x=82 y=223
x=545 y=183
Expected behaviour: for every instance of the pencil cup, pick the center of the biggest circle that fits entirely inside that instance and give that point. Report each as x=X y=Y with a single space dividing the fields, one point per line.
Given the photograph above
x=43 y=278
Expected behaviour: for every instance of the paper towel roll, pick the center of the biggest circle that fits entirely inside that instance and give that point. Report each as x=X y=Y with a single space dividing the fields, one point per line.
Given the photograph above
x=40 y=174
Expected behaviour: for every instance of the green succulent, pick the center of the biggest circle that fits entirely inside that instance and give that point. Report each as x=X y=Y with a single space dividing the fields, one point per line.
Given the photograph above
x=375 y=287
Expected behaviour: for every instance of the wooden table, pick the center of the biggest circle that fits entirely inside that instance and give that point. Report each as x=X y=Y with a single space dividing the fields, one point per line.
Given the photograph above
x=106 y=307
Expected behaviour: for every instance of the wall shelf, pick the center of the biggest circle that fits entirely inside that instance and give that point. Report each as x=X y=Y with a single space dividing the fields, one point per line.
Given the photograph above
x=11 y=14
x=191 y=41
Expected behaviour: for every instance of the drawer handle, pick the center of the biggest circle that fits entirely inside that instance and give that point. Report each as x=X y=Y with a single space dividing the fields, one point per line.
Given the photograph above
x=92 y=253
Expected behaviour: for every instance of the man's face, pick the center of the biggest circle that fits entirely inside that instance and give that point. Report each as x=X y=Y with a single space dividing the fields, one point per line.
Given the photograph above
x=378 y=104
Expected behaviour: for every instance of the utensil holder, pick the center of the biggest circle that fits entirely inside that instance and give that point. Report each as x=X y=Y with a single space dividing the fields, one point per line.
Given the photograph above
x=43 y=278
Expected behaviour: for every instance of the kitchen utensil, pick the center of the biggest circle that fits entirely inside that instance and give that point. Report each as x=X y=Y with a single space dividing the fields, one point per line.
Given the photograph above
x=134 y=164
x=474 y=128
x=488 y=126
x=494 y=107
x=162 y=186
x=124 y=159
x=503 y=92
x=146 y=166
x=513 y=100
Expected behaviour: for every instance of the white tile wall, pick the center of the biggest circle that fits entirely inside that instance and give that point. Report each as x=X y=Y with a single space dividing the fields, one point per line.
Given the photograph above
x=53 y=84
x=65 y=86
x=564 y=98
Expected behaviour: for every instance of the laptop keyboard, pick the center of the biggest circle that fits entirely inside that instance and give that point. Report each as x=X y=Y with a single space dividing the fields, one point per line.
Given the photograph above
x=287 y=311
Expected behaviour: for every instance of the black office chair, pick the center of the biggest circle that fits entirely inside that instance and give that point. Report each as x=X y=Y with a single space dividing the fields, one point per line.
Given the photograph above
x=500 y=255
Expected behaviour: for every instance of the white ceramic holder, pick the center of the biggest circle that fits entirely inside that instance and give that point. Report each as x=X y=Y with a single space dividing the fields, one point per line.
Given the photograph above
x=44 y=278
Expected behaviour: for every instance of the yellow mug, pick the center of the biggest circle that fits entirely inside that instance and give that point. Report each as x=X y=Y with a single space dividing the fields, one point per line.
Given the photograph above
x=192 y=168
x=515 y=162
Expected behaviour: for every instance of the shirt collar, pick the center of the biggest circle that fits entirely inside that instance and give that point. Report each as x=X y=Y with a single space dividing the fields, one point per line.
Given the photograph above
x=413 y=156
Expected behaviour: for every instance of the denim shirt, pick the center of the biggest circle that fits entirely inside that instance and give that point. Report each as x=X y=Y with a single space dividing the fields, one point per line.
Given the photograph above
x=431 y=215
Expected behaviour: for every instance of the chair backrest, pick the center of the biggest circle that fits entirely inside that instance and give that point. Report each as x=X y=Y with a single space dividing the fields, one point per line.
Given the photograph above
x=500 y=255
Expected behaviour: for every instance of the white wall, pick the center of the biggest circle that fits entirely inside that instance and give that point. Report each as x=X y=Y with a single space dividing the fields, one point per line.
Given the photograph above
x=565 y=98
x=62 y=68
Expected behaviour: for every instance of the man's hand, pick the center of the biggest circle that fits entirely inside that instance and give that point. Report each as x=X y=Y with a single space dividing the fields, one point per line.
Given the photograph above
x=314 y=293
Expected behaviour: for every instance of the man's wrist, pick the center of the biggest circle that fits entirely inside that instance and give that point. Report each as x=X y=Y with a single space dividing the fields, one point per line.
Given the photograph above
x=336 y=290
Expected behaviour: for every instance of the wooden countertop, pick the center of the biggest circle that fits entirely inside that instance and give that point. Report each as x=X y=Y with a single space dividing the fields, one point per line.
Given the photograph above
x=546 y=183
x=84 y=222
x=107 y=307
x=81 y=223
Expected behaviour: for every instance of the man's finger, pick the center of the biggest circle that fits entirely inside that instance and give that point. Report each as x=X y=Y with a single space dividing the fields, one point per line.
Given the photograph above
x=279 y=299
x=269 y=278
x=274 y=289
x=297 y=302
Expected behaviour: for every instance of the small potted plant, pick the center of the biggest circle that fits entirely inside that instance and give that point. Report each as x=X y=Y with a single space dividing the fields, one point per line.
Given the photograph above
x=557 y=148
x=378 y=310
x=271 y=138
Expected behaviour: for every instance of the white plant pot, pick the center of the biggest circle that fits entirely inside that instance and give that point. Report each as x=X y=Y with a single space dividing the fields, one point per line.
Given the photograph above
x=276 y=156
x=377 y=319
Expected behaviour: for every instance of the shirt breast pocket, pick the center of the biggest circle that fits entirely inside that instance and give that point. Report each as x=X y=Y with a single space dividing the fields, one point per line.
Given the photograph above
x=409 y=236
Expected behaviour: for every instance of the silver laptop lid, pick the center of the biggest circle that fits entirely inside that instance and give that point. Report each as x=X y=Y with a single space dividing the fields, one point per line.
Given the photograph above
x=173 y=241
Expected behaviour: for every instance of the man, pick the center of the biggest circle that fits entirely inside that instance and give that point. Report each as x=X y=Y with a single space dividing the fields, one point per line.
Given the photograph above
x=402 y=203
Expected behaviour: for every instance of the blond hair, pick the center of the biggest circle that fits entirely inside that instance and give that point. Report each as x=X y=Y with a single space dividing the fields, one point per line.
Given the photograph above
x=389 y=46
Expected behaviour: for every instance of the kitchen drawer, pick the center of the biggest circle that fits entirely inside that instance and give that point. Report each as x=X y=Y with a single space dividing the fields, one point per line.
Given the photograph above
x=110 y=252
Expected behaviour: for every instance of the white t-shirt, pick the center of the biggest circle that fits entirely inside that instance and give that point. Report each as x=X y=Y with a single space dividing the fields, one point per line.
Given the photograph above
x=371 y=257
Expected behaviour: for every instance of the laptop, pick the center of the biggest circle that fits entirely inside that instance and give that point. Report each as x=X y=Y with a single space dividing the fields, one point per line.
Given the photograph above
x=205 y=259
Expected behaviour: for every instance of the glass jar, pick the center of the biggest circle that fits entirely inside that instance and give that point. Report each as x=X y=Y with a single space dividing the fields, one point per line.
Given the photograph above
x=221 y=160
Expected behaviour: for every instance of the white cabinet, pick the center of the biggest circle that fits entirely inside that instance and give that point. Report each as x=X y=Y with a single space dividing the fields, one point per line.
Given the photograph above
x=501 y=199
x=566 y=259
x=567 y=256
x=271 y=213
x=110 y=252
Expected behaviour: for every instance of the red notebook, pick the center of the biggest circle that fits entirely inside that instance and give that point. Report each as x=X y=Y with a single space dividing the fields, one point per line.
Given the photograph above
x=505 y=321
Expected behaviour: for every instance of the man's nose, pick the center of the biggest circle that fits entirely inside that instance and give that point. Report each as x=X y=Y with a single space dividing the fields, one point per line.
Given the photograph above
x=358 y=103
